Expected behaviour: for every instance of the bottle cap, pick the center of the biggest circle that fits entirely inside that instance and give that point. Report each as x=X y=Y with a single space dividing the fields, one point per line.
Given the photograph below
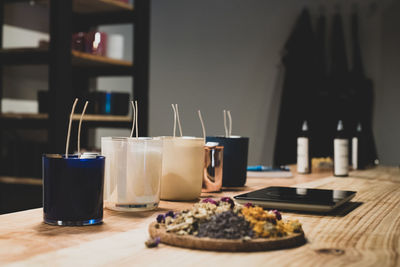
x=359 y=127
x=89 y=155
x=305 y=126
x=340 y=126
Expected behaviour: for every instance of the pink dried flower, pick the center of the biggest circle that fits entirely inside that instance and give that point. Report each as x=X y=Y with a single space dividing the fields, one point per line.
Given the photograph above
x=210 y=200
x=228 y=200
x=277 y=215
x=249 y=204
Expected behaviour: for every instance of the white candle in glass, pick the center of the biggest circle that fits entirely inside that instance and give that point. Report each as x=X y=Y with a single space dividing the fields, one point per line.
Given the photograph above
x=182 y=171
x=114 y=149
x=132 y=173
x=144 y=165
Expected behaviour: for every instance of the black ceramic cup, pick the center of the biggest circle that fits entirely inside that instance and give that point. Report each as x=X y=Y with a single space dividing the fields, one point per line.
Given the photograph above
x=235 y=159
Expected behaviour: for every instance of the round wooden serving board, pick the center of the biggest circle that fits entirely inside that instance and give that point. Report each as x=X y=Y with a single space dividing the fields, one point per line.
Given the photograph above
x=205 y=243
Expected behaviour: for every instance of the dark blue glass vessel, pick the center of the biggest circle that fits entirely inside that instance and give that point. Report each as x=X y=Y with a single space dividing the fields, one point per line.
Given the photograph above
x=72 y=190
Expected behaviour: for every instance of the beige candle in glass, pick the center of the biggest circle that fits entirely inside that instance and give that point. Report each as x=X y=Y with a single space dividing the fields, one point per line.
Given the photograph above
x=182 y=168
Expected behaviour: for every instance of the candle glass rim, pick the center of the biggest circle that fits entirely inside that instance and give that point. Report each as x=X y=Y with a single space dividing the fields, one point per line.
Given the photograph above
x=181 y=137
x=228 y=137
x=70 y=157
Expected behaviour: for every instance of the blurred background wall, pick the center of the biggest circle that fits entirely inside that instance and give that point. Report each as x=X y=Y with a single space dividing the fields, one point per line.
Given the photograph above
x=212 y=55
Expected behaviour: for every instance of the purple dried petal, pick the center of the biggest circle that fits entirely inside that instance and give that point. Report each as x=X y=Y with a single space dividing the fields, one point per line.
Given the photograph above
x=277 y=215
x=160 y=218
x=249 y=205
x=152 y=242
x=228 y=200
x=170 y=214
x=210 y=200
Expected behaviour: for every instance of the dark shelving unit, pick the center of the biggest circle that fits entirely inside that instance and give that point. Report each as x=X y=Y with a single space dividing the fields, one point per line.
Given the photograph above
x=70 y=71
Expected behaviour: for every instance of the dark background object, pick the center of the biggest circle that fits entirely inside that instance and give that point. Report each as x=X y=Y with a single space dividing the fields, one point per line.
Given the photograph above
x=322 y=117
x=299 y=60
x=67 y=80
x=106 y=103
x=311 y=93
x=363 y=95
x=234 y=170
x=16 y=196
x=110 y=103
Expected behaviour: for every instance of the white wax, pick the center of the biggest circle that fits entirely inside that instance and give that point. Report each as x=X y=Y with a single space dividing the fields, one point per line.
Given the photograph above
x=114 y=150
x=132 y=172
x=143 y=173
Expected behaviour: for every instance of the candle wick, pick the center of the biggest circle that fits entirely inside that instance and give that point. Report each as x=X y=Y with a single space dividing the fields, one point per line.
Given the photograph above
x=225 y=126
x=202 y=124
x=136 y=119
x=79 y=128
x=69 y=127
x=133 y=118
x=179 y=120
x=230 y=123
x=174 y=131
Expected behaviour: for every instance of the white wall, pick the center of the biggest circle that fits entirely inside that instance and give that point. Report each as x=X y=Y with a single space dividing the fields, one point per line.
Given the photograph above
x=387 y=122
x=212 y=55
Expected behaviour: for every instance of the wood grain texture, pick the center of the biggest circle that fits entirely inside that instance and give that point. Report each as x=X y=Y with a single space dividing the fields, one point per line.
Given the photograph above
x=205 y=243
x=364 y=233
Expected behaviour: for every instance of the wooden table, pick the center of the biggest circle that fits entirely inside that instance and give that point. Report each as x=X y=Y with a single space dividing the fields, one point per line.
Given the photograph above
x=364 y=233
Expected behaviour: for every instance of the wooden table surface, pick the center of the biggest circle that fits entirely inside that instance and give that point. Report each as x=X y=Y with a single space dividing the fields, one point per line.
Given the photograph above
x=366 y=232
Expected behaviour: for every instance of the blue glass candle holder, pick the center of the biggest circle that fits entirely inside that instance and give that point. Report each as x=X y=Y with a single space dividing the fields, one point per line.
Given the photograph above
x=73 y=190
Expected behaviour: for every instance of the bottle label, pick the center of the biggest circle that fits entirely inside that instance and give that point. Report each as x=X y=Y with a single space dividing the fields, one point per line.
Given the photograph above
x=341 y=156
x=354 y=153
x=302 y=155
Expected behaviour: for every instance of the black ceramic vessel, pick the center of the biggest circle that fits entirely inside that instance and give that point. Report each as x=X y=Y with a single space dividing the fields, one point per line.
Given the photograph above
x=235 y=159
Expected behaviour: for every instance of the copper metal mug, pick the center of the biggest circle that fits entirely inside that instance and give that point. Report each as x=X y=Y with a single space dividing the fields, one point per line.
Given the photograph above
x=213 y=163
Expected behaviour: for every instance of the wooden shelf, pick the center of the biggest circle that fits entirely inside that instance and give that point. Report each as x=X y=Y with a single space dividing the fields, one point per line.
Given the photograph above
x=85 y=59
x=20 y=180
x=97 y=6
x=40 y=120
x=93 y=6
x=32 y=55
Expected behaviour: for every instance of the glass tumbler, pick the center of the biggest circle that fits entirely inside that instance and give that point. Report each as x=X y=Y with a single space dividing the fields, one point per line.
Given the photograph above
x=137 y=186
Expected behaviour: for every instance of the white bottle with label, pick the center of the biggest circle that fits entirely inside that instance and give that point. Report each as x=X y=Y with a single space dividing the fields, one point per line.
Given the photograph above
x=341 y=152
x=358 y=149
x=303 y=150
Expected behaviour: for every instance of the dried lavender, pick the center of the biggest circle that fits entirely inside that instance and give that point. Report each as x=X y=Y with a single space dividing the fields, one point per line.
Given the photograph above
x=152 y=242
x=227 y=225
x=160 y=218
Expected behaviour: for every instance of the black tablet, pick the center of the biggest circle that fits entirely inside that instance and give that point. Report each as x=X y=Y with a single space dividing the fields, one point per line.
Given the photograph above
x=292 y=198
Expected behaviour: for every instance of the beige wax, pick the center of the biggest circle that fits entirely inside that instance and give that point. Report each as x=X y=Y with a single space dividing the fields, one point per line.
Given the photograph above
x=182 y=171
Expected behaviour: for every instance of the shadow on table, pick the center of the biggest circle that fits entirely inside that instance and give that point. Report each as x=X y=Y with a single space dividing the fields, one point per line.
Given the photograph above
x=341 y=211
x=136 y=214
x=55 y=230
